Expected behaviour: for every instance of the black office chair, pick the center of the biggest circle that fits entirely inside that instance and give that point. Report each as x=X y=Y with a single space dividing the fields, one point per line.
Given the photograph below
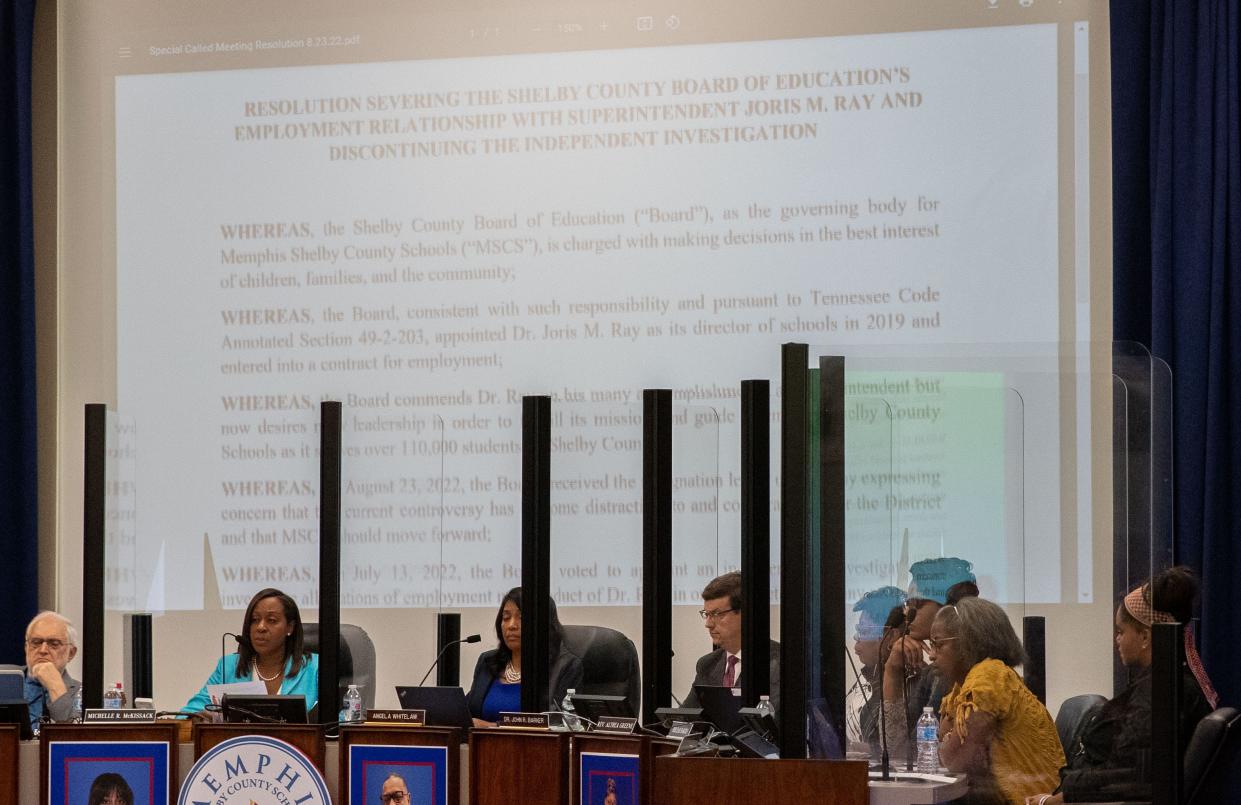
x=1210 y=770
x=355 y=665
x=609 y=662
x=1074 y=714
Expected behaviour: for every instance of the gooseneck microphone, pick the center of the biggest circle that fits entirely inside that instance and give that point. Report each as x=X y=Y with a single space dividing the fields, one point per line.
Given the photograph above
x=471 y=639
x=240 y=640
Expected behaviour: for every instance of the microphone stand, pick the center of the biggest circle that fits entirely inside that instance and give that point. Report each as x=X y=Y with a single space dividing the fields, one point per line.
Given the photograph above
x=909 y=763
x=471 y=639
x=885 y=761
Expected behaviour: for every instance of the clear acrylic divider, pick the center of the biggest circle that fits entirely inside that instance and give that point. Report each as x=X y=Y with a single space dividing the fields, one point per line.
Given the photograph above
x=1022 y=452
x=703 y=497
x=200 y=516
x=481 y=544
x=873 y=589
x=394 y=492
x=596 y=546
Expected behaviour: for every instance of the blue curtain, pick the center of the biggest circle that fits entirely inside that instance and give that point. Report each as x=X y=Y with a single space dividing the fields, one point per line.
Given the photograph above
x=18 y=502
x=1176 y=151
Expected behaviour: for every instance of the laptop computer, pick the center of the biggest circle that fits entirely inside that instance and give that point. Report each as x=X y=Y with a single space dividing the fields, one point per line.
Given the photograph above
x=16 y=711
x=720 y=706
x=12 y=684
x=445 y=706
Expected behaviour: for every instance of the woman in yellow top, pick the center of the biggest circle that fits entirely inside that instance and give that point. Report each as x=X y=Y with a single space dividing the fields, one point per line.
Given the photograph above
x=991 y=726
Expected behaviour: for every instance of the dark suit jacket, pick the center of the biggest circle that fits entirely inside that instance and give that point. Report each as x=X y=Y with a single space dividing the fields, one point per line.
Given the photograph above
x=710 y=671
x=566 y=672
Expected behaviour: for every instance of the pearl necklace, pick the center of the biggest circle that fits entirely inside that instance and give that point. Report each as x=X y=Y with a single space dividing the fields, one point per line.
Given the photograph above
x=511 y=675
x=271 y=678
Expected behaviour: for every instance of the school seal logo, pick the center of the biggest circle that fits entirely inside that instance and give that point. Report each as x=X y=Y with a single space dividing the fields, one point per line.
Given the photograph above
x=254 y=770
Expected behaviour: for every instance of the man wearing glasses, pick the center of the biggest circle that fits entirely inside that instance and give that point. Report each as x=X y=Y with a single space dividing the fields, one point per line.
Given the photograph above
x=51 y=642
x=721 y=615
x=395 y=792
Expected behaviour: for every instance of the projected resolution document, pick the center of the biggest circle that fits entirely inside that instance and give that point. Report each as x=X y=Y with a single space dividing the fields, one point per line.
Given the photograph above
x=427 y=241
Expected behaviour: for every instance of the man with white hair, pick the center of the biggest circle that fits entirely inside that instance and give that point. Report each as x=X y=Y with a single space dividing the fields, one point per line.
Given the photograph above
x=51 y=642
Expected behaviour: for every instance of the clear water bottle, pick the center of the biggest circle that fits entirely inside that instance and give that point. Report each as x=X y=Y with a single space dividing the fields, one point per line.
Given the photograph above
x=764 y=706
x=114 y=697
x=571 y=721
x=77 y=704
x=928 y=742
x=353 y=705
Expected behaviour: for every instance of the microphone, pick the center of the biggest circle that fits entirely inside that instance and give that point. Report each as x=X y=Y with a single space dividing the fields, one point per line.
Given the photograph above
x=471 y=639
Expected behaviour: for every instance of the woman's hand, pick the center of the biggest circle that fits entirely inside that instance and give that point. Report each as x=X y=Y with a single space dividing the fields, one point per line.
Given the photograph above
x=1045 y=799
x=906 y=656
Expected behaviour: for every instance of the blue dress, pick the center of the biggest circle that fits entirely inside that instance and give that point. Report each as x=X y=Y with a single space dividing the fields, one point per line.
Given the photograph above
x=304 y=683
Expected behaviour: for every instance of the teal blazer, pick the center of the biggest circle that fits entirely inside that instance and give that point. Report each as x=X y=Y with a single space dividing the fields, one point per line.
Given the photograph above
x=305 y=683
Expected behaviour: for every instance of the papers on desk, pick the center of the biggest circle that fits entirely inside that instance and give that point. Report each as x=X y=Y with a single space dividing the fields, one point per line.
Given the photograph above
x=217 y=693
x=913 y=775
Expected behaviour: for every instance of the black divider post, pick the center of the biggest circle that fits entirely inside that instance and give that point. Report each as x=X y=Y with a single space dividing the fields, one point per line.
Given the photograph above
x=329 y=559
x=1034 y=639
x=832 y=638
x=447 y=633
x=1167 y=659
x=755 y=539
x=656 y=551
x=536 y=484
x=794 y=553
x=94 y=516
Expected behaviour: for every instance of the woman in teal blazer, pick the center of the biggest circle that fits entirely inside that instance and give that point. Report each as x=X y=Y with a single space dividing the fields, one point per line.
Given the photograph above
x=270 y=652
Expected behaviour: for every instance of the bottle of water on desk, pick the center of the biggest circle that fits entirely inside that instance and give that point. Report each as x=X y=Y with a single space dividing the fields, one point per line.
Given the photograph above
x=764 y=706
x=928 y=742
x=571 y=722
x=77 y=705
x=353 y=705
x=114 y=697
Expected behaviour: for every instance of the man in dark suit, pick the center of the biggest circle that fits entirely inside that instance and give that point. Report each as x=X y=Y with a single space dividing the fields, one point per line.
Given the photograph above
x=721 y=614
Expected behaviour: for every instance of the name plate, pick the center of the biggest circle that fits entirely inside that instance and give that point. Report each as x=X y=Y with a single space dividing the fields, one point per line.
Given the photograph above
x=409 y=718
x=530 y=721
x=681 y=729
x=617 y=725
x=110 y=716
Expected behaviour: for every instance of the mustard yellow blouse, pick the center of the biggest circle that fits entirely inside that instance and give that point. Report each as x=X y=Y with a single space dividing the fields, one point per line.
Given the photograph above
x=1025 y=754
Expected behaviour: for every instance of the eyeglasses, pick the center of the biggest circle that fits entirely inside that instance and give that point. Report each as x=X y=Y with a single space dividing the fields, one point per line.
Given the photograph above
x=39 y=642
x=394 y=796
x=938 y=644
x=714 y=615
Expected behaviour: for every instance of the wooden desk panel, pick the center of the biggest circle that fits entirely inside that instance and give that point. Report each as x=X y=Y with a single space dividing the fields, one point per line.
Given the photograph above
x=9 y=742
x=747 y=781
x=110 y=733
x=604 y=744
x=449 y=737
x=308 y=738
x=508 y=766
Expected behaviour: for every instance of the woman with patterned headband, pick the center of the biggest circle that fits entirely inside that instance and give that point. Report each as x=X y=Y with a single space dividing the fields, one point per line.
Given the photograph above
x=1112 y=757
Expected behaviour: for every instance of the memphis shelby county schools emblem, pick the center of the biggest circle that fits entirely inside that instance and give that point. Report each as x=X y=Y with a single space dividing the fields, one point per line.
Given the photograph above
x=254 y=770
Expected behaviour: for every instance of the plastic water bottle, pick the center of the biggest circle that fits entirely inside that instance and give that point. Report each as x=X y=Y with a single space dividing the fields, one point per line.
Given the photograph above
x=114 y=697
x=353 y=705
x=764 y=706
x=571 y=722
x=77 y=705
x=928 y=742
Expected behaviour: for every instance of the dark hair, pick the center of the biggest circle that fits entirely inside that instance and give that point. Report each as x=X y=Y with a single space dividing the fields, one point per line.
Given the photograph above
x=984 y=630
x=1172 y=591
x=962 y=589
x=110 y=783
x=294 y=644
x=729 y=585
x=503 y=654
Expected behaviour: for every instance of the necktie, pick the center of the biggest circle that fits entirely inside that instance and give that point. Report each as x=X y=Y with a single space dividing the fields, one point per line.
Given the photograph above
x=730 y=673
